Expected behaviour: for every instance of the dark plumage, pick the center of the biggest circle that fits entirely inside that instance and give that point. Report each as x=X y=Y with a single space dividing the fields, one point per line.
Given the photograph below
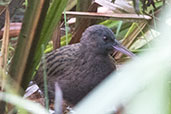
x=78 y=68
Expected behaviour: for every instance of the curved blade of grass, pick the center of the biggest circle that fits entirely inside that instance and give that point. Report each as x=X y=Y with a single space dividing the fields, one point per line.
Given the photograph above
x=145 y=80
x=30 y=106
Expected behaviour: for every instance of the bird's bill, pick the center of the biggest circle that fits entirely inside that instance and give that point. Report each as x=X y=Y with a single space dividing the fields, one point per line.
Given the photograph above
x=122 y=49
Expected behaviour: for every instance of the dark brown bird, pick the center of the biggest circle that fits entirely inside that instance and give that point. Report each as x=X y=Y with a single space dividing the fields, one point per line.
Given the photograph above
x=78 y=68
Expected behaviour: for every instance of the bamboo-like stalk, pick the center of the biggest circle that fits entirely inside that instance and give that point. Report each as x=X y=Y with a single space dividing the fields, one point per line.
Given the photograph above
x=4 y=49
x=37 y=29
x=29 y=32
x=3 y=57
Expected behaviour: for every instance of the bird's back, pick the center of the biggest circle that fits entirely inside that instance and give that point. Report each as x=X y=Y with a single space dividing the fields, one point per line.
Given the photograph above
x=57 y=62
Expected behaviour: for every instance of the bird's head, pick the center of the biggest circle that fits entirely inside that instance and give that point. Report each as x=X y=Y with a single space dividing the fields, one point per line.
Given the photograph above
x=102 y=40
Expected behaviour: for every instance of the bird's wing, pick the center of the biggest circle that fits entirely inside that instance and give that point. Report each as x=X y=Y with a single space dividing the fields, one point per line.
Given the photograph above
x=57 y=61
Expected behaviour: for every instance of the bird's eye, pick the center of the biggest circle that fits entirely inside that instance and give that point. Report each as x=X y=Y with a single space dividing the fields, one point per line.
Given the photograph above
x=105 y=38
